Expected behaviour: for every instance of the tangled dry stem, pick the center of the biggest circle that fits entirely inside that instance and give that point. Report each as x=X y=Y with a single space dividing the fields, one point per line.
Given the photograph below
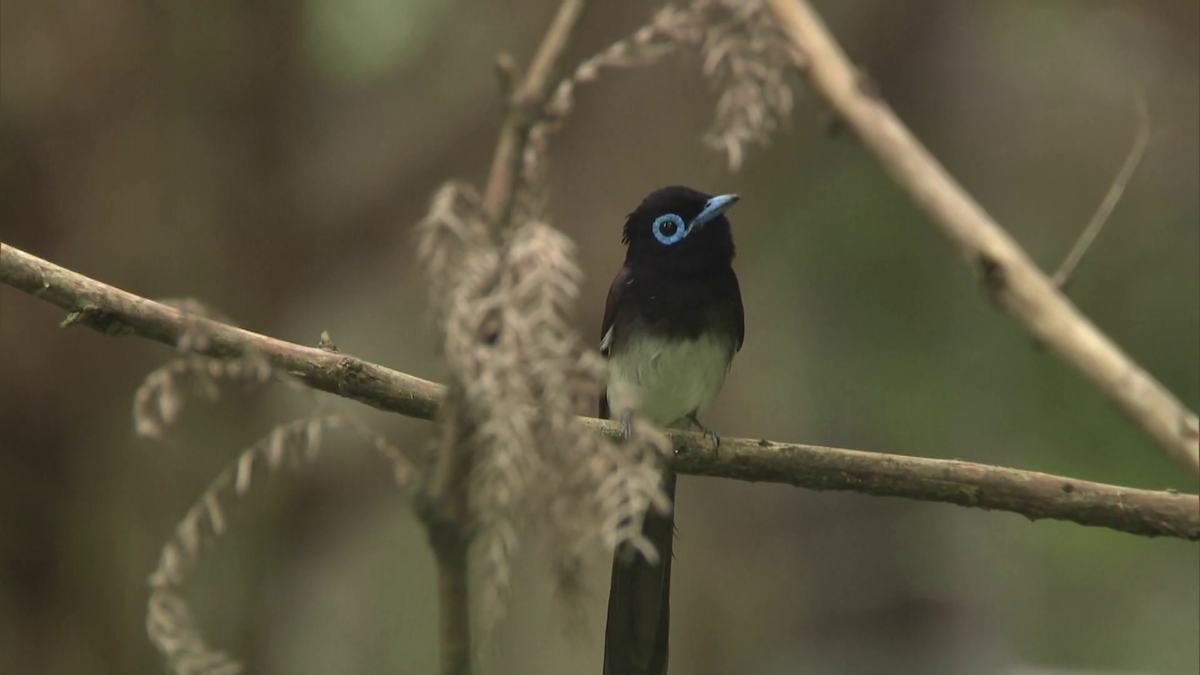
x=503 y=296
x=169 y=620
x=157 y=405
x=743 y=54
x=512 y=349
x=520 y=376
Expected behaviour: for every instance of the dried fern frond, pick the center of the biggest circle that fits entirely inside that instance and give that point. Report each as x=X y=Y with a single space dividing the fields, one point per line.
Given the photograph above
x=748 y=59
x=157 y=404
x=743 y=54
x=162 y=395
x=445 y=235
x=164 y=392
x=520 y=373
x=195 y=337
x=169 y=621
x=670 y=28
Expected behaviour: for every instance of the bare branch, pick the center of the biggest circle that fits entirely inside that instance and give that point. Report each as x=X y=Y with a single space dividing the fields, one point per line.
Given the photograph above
x=1035 y=495
x=525 y=106
x=489 y=336
x=1009 y=276
x=450 y=545
x=1062 y=278
x=743 y=54
x=1032 y=494
x=115 y=312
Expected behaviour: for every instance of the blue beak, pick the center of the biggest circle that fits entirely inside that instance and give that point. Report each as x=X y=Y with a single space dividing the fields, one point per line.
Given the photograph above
x=713 y=209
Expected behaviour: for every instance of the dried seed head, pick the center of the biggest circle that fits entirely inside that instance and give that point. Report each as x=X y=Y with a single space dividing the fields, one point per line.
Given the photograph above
x=520 y=374
x=749 y=60
x=743 y=54
x=445 y=235
x=169 y=621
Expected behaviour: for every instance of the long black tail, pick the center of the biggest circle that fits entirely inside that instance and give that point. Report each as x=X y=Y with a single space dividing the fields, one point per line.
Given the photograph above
x=639 y=600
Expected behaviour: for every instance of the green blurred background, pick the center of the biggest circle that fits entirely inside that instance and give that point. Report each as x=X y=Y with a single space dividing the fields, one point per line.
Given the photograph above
x=271 y=159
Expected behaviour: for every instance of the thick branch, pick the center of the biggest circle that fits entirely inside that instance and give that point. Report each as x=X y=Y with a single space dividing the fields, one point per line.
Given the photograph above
x=1009 y=276
x=115 y=312
x=1035 y=495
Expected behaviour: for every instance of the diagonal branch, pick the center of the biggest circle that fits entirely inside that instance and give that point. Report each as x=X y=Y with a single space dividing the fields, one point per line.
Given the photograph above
x=1009 y=276
x=115 y=312
x=1035 y=495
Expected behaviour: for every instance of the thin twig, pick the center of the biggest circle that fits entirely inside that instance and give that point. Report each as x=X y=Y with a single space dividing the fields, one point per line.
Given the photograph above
x=1062 y=278
x=450 y=547
x=525 y=106
x=1035 y=495
x=1009 y=276
x=445 y=506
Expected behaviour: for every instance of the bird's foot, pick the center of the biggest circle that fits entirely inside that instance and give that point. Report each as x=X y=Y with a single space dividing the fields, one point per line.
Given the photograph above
x=627 y=425
x=716 y=438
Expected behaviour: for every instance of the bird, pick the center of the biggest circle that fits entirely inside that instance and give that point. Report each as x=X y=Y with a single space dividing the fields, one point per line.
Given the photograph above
x=673 y=321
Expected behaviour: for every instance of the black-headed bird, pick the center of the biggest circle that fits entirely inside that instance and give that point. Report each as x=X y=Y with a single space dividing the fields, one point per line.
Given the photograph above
x=672 y=324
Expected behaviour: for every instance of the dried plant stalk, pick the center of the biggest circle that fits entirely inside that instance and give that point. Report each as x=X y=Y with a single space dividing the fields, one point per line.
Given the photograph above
x=521 y=374
x=169 y=621
x=743 y=54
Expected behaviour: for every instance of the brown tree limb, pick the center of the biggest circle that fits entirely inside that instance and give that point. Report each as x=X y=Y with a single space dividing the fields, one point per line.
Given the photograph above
x=115 y=312
x=1034 y=495
x=1009 y=276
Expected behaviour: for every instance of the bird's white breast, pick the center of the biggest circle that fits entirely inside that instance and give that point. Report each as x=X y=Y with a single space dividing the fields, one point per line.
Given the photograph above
x=665 y=380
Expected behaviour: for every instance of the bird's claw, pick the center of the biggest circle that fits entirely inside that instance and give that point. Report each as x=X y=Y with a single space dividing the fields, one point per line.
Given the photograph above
x=712 y=435
x=627 y=425
x=716 y=439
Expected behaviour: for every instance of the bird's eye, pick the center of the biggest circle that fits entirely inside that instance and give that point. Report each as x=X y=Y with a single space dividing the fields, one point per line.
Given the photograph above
x=669 y=228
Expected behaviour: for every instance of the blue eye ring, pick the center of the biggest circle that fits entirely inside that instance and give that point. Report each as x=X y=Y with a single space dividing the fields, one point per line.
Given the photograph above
x=669 y=228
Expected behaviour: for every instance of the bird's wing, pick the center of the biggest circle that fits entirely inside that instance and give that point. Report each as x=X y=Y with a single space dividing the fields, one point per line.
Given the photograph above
x=741 y=314
x=619 y=284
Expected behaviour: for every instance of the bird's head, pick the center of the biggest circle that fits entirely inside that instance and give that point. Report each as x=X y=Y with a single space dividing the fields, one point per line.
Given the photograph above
x=677 y=226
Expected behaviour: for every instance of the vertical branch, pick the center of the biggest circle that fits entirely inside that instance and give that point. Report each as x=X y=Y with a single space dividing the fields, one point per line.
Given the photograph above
x=503 y=183
x=446 y=503
x=525 y=106
x=450 y=543
x=443 y=507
